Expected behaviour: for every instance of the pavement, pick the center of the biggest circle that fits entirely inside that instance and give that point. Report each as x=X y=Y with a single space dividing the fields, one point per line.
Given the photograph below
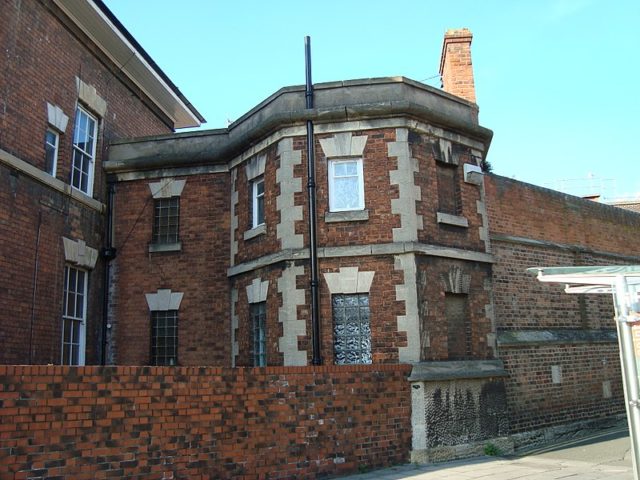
x=603 y=456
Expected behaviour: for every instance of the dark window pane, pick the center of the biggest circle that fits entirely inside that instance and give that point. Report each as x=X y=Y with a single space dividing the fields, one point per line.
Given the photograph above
x=166 y=220
x=164 y=337
x=258 y=315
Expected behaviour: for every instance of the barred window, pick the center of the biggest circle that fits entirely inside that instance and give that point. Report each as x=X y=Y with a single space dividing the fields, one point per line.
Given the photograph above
x=166 y=220
x=351 y=329
x=164 y=337
x=258 y=312
x=74 y=315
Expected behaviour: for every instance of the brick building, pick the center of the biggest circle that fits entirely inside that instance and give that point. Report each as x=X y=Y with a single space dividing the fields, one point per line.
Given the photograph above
x=73 y=81
x=422 y=255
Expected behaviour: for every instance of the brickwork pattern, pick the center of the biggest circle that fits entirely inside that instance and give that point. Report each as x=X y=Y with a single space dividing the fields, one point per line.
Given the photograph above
x=31 y=304
x=522 y=210
x=534 y=401
x=383 y=307
x=431 y=298
x=467 y=238
x=456 y=68
x=533 y=226
x=156 y=423
x=42 y=55
x=273 y=327
x=198 y=270
x=523 y=302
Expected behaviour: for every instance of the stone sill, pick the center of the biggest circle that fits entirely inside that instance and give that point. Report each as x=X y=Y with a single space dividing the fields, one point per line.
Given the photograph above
x=349 y=216
x=254 y=232
x=460 y=369
x=165 y=247
x=455 y=220
x=49 y=181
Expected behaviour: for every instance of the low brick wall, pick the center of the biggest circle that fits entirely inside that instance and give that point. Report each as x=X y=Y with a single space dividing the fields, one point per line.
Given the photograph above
x=193 y=422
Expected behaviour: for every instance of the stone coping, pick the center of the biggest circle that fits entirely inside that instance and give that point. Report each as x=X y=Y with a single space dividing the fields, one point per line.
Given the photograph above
x=334 y=102
x=456 y=370
x=512 y=338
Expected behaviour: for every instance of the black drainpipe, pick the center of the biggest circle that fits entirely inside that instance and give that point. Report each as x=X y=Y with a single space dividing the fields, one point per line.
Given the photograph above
x=108 y=253
x=311 y=191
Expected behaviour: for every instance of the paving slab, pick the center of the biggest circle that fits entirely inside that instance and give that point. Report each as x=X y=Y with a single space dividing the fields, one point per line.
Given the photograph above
x=601 y=457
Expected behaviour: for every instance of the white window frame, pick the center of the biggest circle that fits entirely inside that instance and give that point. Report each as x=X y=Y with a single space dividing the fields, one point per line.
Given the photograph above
x=82 y=155
x=256 y=198
x=54 y=162
x=332 y=188
x=80 y=320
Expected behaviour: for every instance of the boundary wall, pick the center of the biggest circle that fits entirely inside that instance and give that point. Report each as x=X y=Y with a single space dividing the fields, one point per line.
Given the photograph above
x=202 y=422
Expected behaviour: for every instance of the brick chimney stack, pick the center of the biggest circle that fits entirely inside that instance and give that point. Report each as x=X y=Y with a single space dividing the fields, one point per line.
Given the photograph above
x=456 y=69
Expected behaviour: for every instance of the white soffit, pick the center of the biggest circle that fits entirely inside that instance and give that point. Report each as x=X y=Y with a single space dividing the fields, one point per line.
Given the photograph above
x=97 y=26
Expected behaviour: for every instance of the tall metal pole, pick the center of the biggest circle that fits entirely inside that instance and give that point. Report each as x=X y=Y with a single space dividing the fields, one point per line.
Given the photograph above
x=311 y=193
x=629 y=368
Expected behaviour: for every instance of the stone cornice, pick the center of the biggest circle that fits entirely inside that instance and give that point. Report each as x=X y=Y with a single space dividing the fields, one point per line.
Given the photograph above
x=359 y=251
x=336 y=102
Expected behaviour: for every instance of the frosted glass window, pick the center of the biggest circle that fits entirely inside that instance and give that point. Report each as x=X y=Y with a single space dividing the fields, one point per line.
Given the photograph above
x=346 y=185
x=351 y=329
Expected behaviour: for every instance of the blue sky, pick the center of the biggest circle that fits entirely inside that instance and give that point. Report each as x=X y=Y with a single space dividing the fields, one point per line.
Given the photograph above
x=558 y=81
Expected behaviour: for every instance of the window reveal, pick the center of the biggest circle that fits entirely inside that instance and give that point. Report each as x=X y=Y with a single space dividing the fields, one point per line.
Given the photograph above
x=51 y=141
x=166 y=220
x=74 y=310
x=257 y=202
x=346 y=185
x=351 y=329
x=258 y=313
x=164 y=337
x=84 y=151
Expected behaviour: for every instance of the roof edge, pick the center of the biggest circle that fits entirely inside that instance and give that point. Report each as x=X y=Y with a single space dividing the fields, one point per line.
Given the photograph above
x=113 y=36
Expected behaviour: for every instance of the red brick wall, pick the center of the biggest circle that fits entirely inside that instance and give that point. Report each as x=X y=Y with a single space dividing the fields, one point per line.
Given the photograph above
x=558 y=230
x=534 y=401
x=523 y=302
x=523 y=210
x=376 y=230
x=243 y=334
x=431 y=301
x=152 y=422
x=468 y=195
x=41 y=58
x=25 y=204
x=378 y=195
x=199 y=271
x=384 y=309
